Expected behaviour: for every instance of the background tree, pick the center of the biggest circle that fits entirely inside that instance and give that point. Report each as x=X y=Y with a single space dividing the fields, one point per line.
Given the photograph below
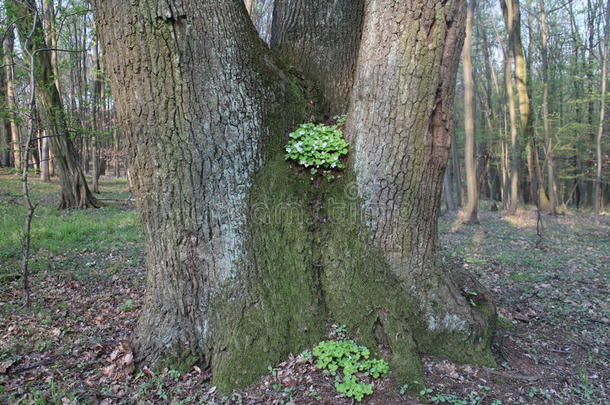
x=471 y=167
x=602 y=113
x=74 y=189
x=8 y=48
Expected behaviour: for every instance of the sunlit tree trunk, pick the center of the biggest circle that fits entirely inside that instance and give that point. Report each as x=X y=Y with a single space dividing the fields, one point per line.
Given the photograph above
x=602 y=114
x=6 y=158
x=470 y=211
x=507 y=9
x=44 y=160
x=548 y=142
x=9 y=45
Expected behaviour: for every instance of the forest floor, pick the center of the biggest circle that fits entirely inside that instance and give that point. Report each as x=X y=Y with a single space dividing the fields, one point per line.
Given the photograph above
x=72 y=346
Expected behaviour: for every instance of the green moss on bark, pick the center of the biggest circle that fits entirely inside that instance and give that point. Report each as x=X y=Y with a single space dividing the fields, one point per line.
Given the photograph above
x=313 y=260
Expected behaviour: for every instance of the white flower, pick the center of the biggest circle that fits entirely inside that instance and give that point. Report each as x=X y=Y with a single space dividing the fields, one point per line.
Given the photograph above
x=332 y=166
x=288 y=150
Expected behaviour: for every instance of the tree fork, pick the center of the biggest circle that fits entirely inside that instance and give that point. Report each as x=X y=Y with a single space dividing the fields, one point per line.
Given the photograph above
x=247 y=260
x=320 y=39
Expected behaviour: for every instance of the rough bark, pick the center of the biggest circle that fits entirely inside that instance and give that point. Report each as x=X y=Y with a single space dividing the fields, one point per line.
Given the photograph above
x=400 y=129
x=262 y=17
x=74 y=190
x=320 y=39
x=247 y=260
x=472 y=203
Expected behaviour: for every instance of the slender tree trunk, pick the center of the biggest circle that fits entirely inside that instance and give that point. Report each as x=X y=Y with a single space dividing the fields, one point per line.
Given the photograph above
x=98 y=86
x=44 y=159
x=5 y=129
x=9 y=45
x=470 y=211
x=588 y=66
x=116 y=147
x=321 y=38
x=602 y=114
x=507 y=10
x=74 y=190
x=234 y=287
x=525 y=109
x=457 y=175
x=35 y=155
x=7 y=157
x=448 y=191
x=548 y=142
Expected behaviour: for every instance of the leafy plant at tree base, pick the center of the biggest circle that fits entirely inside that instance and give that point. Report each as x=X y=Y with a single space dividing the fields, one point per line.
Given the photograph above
x=349 y=359
x=318 y=147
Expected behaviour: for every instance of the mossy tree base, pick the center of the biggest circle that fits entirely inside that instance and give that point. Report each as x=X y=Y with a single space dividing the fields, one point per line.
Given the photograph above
x=249 y=261
x=314 y=263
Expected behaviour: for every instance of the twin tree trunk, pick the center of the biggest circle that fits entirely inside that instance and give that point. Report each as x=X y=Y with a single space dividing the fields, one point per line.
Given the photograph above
x=247 y=259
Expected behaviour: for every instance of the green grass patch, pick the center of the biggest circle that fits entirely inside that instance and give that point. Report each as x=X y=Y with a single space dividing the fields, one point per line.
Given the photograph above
x=57 y=232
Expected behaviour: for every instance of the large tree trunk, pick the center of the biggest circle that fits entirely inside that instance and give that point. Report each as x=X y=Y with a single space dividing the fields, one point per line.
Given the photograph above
x=74 y=190
x=247 y=259
x=470 y=211
x=321 y=38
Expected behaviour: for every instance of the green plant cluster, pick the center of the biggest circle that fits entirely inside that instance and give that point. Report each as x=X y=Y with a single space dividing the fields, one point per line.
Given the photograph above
x=318 y=147
x=349 y=359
